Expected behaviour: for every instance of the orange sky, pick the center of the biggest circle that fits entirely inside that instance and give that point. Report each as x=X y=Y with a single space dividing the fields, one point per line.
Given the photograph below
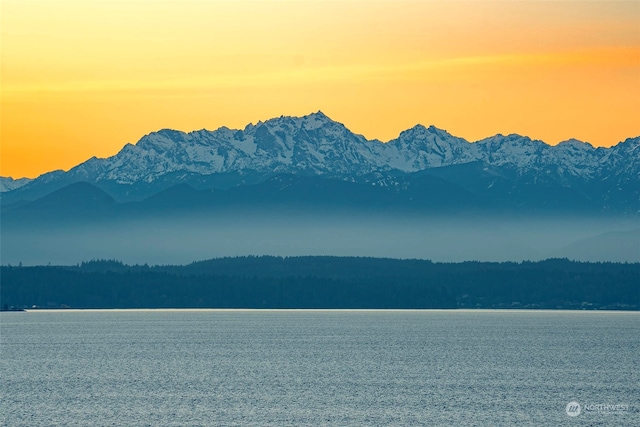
x=82 y=78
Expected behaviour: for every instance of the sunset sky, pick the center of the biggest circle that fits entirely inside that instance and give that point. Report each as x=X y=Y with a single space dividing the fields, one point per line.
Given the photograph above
x=83 y=78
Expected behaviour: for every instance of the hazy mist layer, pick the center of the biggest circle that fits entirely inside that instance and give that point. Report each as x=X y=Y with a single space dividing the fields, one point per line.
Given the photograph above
x=183 y=239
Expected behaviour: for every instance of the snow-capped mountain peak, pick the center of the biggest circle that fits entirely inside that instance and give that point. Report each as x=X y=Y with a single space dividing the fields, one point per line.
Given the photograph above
x=420 y=148
x=576 y=144
x=317 y=145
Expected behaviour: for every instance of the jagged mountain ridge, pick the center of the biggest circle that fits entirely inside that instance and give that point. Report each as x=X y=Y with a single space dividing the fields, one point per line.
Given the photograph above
x=318 y=145
x=315 y=145
x=9 y=184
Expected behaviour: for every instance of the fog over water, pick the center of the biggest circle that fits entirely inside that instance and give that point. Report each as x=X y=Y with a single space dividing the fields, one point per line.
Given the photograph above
x=183 y=239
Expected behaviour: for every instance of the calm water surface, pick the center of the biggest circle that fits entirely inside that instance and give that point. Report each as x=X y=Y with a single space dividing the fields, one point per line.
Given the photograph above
x=309 y=368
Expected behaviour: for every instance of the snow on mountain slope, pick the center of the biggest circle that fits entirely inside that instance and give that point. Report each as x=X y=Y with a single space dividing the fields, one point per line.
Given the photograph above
x=622 y=160
x=8 y=183
x=316 y=145
x=421 y=148
x=313 y=144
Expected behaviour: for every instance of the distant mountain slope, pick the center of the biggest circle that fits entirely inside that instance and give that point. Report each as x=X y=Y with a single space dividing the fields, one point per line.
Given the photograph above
x=80 y=201
x=461 y=191
x=9 y=184
x=315 y=145
x=618 y=245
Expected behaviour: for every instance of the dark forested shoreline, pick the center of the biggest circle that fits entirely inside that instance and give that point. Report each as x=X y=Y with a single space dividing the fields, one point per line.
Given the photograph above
x=325 y=282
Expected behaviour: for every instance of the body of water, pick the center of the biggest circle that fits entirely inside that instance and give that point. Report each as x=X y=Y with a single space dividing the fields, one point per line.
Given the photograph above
x=313 y=368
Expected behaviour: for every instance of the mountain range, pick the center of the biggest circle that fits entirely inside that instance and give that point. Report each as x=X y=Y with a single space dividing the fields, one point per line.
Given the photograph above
x=315 y=145
x=312 y=168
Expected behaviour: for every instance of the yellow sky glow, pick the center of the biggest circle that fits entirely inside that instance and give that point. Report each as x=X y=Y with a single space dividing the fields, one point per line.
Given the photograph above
x=82 y=78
